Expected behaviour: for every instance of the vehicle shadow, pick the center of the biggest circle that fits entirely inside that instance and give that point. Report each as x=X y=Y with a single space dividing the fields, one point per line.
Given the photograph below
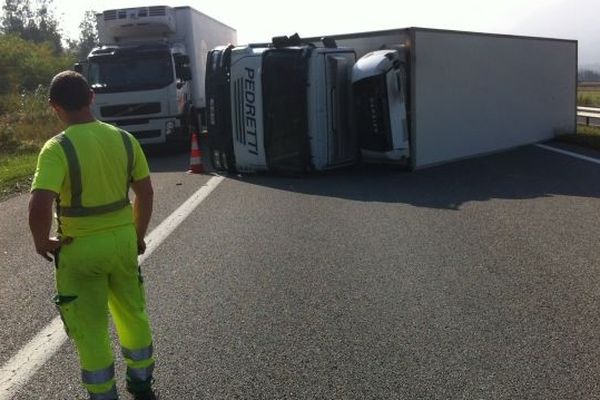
x=523 y=173
x=161 y=159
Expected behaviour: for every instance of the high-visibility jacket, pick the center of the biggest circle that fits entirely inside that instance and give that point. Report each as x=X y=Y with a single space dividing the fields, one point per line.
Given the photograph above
x=90 y=167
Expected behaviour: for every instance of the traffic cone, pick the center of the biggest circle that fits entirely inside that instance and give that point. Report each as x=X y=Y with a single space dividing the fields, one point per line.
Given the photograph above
x=196 y=166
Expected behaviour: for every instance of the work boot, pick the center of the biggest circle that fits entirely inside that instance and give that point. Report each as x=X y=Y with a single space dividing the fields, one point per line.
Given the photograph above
x=147 y=395
x=141 y=390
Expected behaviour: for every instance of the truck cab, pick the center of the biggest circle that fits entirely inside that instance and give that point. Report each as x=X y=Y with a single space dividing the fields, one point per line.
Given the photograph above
x=289 y=107
x=149 y=73
x=379 y=84
x=144 y=88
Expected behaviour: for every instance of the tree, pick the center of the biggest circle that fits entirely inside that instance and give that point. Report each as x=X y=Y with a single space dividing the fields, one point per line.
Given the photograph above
x=35 y=23
x=587 y=75
x=24 y=64
x=88 y=38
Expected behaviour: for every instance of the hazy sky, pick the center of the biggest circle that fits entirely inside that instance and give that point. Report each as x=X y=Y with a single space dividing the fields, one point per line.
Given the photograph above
x=258 y=21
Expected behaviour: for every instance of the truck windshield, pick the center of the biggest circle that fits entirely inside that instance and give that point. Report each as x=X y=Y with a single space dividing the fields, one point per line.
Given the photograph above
x=109 y=74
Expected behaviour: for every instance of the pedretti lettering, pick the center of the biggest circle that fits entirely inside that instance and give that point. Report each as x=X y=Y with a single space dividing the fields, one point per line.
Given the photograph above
x=250 y=109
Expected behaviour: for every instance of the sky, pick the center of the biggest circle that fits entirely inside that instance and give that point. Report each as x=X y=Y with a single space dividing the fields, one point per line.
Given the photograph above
x=259 y=20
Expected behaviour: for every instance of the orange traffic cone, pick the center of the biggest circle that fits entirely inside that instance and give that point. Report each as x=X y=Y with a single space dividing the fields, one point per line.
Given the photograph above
x=196 y=166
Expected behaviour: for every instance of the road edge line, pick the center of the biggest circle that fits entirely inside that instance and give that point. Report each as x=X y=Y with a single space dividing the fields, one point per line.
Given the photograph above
x=569 y=153
x=21 y=367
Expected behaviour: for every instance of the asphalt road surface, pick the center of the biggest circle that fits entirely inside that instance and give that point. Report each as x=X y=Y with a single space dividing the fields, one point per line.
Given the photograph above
x=474 y=280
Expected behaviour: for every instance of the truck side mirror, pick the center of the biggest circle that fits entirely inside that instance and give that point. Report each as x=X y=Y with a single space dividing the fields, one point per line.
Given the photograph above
x=78 y=68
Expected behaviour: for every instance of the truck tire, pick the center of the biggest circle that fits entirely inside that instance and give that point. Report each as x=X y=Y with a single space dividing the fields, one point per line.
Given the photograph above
x=222 y=161
x=228 y=161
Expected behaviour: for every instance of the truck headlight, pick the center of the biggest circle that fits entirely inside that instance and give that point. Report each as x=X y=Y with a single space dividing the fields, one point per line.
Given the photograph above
x=170 y=127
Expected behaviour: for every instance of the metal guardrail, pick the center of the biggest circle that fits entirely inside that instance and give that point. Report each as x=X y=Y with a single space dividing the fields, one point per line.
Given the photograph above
x=588 y=113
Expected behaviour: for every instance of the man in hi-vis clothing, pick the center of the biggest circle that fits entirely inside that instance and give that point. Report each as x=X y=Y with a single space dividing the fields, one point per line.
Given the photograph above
x=88 y=170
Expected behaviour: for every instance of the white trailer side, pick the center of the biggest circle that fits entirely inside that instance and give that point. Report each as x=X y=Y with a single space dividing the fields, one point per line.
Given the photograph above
x=201 y=33
x=474 y=94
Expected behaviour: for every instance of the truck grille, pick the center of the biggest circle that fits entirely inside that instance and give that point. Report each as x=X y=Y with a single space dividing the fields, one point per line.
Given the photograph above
x=238 y=111
x=126 y=110
x=146 y=134
x=127 y=122
x=110 y=15
x=372 y=113
x=157 y=11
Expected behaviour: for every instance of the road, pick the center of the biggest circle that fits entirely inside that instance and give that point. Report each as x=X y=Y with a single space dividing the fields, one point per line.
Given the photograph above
x=474 y=280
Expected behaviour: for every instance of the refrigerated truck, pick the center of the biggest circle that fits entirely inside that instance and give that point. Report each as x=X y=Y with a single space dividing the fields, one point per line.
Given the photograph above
x=466 y=94
x=149 y=73
x=282 y=107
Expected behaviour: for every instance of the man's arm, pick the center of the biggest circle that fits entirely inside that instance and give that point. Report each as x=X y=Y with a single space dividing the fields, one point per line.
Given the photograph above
x=40 y=222
x=142 y=209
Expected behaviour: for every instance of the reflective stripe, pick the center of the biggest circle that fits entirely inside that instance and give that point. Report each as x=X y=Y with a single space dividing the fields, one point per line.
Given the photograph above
x=140 y=374
x=74 y=169
x=97 y=210
x=99 y=376
x=129 y=151
x=76 y=208
x=109 y=395
x=139 y=354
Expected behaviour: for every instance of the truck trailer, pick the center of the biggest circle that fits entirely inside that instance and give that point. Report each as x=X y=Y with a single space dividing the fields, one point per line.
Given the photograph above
x=425 y=96
x=149 y=72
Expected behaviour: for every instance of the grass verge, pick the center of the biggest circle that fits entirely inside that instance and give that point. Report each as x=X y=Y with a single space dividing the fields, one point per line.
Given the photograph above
x=16 y=172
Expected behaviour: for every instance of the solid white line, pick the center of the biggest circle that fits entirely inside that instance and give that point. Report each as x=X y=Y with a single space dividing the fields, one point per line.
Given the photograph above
x=568 y=153
x=158 y=235
x=23 y=365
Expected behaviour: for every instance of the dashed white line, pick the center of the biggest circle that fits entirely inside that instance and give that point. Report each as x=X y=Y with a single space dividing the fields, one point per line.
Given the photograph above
x=23 y=365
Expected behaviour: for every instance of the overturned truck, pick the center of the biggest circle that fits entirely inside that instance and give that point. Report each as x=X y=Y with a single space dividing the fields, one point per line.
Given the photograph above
x=418 y=97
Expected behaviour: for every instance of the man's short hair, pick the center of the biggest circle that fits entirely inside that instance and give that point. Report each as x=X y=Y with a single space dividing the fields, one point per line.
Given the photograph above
x=70 y=90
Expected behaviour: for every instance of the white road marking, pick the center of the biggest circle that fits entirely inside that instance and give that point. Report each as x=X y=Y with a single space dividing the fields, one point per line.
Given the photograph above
x=23 y=365
x=569 y=153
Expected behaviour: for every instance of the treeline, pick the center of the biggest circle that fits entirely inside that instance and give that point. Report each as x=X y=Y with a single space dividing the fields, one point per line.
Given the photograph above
x=33 y=46
x=587 y=75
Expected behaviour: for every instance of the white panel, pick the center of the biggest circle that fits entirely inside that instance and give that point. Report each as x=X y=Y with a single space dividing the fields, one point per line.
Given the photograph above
x=477 y=94
x=366 y=42
x=201 y=33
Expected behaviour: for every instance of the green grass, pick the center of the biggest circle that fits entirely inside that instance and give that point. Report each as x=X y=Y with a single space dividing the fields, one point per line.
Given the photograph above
x=589 y=98
x=26 y=122
x=16 y=171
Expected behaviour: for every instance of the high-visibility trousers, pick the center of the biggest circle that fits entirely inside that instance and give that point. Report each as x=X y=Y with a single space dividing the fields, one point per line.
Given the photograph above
x=96 y=274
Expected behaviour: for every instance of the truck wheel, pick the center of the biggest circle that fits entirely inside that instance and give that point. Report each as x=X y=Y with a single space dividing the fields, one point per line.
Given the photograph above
x=229 y=162
x=215 y=159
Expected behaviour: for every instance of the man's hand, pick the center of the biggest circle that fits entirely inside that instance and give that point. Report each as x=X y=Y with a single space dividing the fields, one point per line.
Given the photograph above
x=141 y=246
x=49 y=246
x=142 y=209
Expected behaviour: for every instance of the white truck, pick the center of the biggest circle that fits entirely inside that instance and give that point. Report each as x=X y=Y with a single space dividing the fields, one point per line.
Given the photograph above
x=379 y=85
x=424 y=97
x=466 y=93
x=285 y=107
x=148 y=74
